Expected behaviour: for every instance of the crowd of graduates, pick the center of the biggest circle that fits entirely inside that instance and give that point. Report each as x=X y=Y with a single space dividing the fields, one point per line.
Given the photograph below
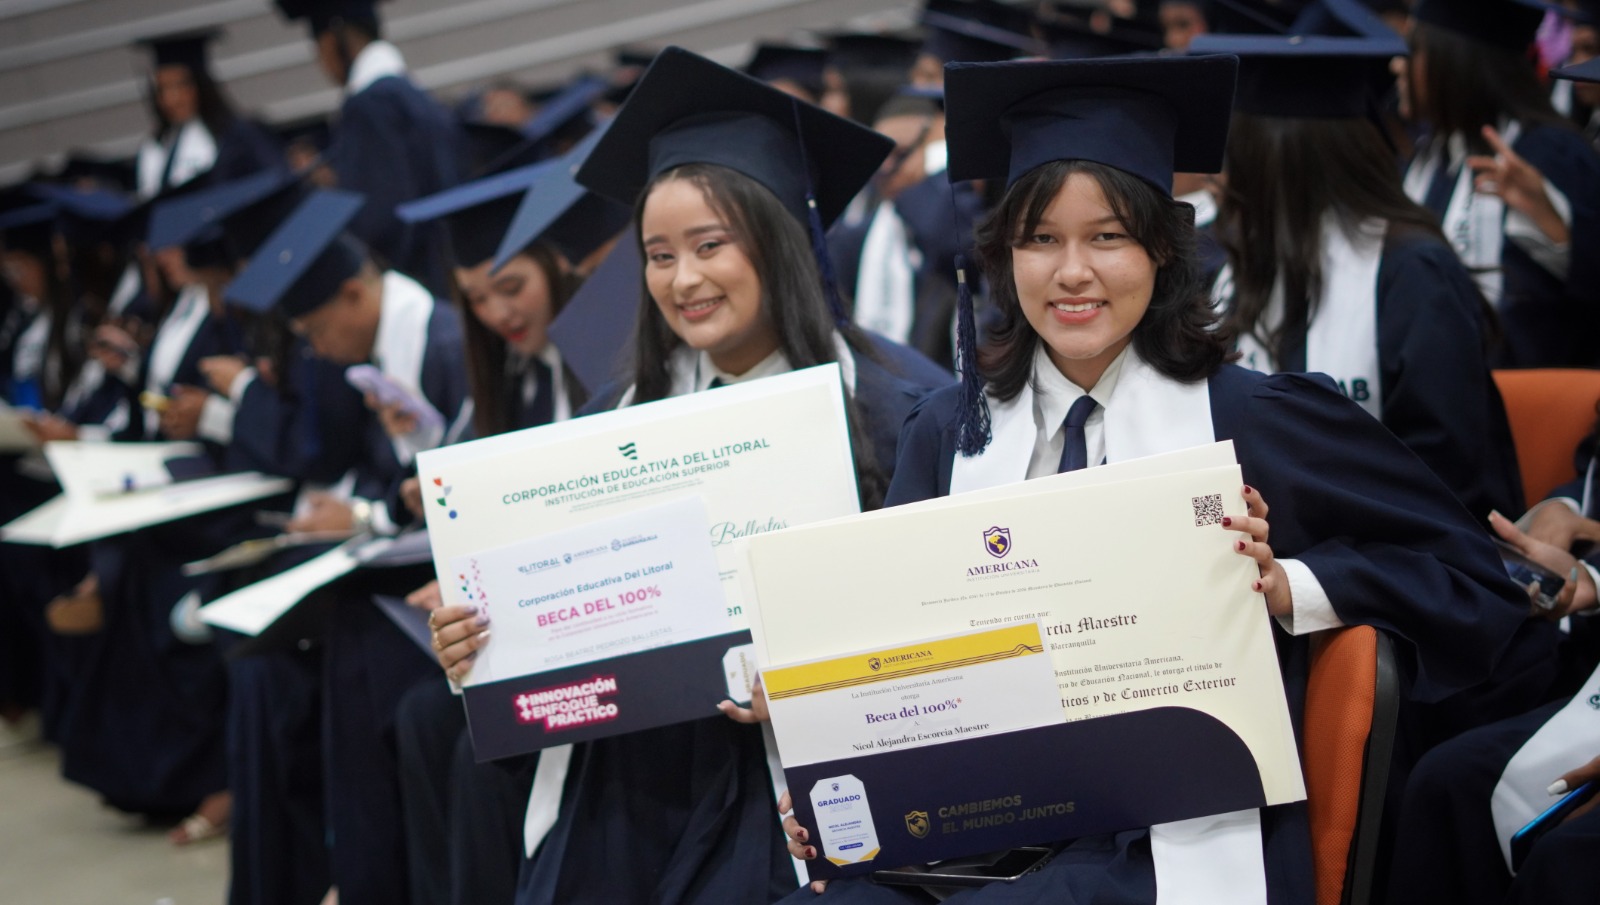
x=1035 y=236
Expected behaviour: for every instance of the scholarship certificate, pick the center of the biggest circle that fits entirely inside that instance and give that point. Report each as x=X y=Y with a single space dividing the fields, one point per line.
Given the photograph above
x=1148 y=619
x=755 y=457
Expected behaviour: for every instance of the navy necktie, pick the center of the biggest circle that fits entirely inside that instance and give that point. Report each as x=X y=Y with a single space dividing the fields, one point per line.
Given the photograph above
x=1442 y=188
x=542 y=407
x=1075 y=451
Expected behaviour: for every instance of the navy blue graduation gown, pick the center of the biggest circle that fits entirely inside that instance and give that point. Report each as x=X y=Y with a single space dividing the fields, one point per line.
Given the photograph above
x=245 y=147
x=1438 y=395
x=393 y=143
x=369 y=664
x=685 y=813
x=1423 y=572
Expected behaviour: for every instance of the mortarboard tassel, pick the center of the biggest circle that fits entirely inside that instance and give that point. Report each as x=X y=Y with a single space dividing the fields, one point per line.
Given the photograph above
x=819 y=238
x=972 y=430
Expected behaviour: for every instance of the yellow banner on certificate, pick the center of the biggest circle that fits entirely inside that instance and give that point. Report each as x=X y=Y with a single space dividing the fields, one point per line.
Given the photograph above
x=959 y=652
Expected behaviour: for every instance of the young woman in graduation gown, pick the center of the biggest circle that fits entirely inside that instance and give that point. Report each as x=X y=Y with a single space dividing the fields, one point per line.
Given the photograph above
x=1333 y=270
x=1106 y=352
x=197 y=132
x=1534 y=250
x=463 y=821
x=717 y=166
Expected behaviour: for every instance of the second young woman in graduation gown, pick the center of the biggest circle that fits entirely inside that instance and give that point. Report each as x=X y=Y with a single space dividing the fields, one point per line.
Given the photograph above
x=1333 y=269
x=1361 y=532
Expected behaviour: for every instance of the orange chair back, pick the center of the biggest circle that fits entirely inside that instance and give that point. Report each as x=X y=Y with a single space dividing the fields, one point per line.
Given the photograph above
x=1340 y=699
x=1550 y=410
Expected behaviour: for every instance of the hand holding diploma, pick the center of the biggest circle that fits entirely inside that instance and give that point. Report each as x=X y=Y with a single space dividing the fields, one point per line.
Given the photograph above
x=458 y=633
x=1274 y=582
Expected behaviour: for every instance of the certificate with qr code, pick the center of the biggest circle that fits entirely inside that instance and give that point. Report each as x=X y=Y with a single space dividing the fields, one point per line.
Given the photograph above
x=1144 y=603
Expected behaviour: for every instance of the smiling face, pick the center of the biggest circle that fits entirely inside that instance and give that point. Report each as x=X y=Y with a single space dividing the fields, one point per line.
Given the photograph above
x=700 y=275
x=516 y=304
x=1083 y=282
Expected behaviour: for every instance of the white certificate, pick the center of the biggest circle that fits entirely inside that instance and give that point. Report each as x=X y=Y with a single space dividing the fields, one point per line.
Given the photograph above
x=606 y=589
x=112 y=488
x=762 y=456
x=1145 y=604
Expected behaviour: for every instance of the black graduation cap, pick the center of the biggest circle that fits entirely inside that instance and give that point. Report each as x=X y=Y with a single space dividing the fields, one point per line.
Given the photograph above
x=1341 y=18
x=1587 y=71
x=301 y=265
x=595 y=326
x=198 y=215
x=1507 y=24
x=321 y=14
x=1307 y=76
x=477 y=213
x=255 y=206
x=556 y=209
x=1147 y=116
x=86 y=170
x=189 y=49
x=977 y=31
x=488 y=144
x=560 y=113
x=85 y=215
x=1071 y=40
x=688 y=109
x=565 y=107
x=852 y=52
x=27 y=226
x=801 y=65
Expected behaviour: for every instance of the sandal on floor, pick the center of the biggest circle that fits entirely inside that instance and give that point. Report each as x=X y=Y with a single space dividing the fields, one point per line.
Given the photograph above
x=196 y=828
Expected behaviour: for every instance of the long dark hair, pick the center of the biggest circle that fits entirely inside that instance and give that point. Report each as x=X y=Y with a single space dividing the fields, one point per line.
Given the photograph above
x=1471 y=84
x=214 y=108
x=1176 y=335
x=779 y=248
x=1284 y=175
x=495 y=400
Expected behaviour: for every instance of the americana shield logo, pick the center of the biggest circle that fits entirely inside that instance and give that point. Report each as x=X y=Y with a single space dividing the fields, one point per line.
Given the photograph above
x=997 y=541
x=917 y=824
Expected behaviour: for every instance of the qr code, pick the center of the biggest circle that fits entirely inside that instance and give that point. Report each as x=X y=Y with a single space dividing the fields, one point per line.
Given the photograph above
x=1207 y=510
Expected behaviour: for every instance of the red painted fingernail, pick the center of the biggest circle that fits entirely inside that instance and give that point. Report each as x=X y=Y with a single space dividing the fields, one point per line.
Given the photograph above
x=1256 y=585
x=1249 y=489
x=1226 y=521
x=1240 y=547
x=804 y=836
x=810 y=852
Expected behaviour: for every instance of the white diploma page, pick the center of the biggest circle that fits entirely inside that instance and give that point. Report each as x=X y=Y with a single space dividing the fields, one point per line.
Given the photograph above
x=607 y=589
x=113 y=488
x=1144 y=602
x=763 y=456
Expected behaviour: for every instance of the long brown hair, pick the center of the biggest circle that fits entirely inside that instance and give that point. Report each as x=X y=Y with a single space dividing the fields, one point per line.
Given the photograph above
x=1467 y=84
x=779 y=248
x=1284 y=175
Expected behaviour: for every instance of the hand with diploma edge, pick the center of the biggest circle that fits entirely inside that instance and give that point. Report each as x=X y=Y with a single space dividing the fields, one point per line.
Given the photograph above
x=799 y=836
x=755 y=713
x=1274 y=582
x=459 y=632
